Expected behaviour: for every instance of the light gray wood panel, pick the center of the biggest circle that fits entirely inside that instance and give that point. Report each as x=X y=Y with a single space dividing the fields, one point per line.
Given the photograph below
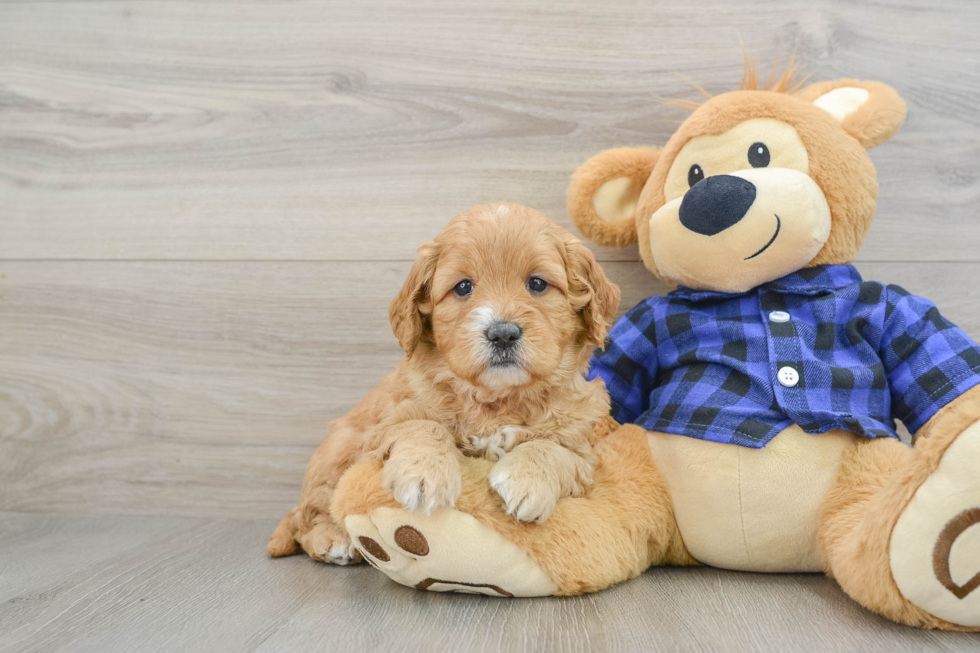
x=152 y=387
x=137 y=583
x=328 y=131
x=355 y=130
x=203 y=388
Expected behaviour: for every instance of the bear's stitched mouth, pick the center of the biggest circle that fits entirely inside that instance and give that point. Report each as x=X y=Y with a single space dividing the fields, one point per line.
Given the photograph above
x=771 y=240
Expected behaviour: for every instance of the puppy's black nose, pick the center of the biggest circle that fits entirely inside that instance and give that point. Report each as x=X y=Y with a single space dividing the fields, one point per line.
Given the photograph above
x=716 y=203
x=504 y=335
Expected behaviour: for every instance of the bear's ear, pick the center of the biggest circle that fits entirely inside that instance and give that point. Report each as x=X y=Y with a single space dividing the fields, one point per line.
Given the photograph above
x=871 y=112
x=603 y=194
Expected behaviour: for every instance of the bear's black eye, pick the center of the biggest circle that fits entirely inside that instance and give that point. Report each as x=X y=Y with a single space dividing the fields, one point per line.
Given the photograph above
x=694 y=175
x=759 y=155
x=536 y=284
x=463 y=288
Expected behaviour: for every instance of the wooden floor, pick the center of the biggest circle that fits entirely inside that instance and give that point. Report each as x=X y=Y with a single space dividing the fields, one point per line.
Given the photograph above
x=106 y=583
x=205 y=208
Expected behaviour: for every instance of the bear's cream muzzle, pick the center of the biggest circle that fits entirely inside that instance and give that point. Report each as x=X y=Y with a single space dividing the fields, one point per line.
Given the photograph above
x=731 y=233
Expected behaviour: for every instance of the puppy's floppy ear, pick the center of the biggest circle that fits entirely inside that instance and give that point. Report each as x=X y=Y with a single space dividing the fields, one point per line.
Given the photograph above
x=604 y=191
x=409 y=311
x=871 y=112
x=594 y=296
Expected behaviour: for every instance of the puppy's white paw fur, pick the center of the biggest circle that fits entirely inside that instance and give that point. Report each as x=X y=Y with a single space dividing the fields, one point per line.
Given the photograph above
x=328 y=543
x=493 y=447
x=340 y=554
x=529 y=493
x=423 y=482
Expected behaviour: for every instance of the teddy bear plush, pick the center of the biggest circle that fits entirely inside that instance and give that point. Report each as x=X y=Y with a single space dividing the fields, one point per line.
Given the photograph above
x=754 y=406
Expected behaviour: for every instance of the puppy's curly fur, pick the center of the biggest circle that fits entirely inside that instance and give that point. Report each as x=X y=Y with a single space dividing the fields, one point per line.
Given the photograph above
x=458 y=392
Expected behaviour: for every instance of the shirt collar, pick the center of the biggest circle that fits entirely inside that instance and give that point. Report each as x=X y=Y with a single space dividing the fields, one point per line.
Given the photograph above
x=808 y=281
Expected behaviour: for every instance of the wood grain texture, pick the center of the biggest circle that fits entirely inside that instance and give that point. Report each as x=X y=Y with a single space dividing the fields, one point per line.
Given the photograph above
x=203 y=388
x=339 y=130
x=165 y=583
x=205 y=208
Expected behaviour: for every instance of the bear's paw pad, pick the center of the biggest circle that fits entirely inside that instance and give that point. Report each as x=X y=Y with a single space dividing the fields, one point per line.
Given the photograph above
x=935 y=545
x=446 y=551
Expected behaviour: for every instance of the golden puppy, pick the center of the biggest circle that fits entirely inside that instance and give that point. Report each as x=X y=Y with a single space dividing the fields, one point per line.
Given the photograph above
x=497 y=318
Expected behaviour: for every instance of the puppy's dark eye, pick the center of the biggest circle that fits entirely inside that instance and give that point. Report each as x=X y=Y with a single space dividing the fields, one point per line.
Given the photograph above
x=758 y=155
x=694 y=175
x=536 y=284
x=463 y=288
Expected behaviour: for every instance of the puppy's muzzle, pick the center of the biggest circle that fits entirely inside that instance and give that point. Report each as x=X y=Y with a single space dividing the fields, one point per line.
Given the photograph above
x=504 y=336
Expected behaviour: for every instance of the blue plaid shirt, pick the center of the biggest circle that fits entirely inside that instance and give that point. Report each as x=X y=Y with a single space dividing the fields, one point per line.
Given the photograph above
x=704 y=364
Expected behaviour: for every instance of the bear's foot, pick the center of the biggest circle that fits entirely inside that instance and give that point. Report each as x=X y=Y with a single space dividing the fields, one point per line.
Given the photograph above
x=447 y=551
x=935 y=545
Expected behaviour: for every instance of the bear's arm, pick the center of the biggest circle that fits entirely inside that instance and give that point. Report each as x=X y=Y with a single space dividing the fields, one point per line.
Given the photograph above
x=627 y=363
x=929 y=362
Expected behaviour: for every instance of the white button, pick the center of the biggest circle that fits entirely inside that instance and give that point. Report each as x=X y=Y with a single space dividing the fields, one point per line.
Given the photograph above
x=788 y=376
x=779 y=316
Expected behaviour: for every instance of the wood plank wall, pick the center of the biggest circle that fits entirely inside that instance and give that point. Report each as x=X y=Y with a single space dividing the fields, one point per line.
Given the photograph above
x=206 y=207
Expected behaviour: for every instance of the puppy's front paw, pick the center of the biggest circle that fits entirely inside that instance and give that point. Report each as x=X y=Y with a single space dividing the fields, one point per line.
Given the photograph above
x=494 y=447
x=423 y=482
x=529 y=492
x=328 y=543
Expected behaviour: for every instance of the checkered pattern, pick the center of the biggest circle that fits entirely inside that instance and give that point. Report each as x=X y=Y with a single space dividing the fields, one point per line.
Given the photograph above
x=704 y=364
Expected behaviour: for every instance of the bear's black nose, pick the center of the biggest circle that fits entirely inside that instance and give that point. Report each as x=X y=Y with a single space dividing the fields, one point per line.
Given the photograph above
x=504 y=335
x=716 y=203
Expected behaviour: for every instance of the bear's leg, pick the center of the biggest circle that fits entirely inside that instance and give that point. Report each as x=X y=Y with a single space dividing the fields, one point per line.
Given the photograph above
x=624 y=524
x=900 y=529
